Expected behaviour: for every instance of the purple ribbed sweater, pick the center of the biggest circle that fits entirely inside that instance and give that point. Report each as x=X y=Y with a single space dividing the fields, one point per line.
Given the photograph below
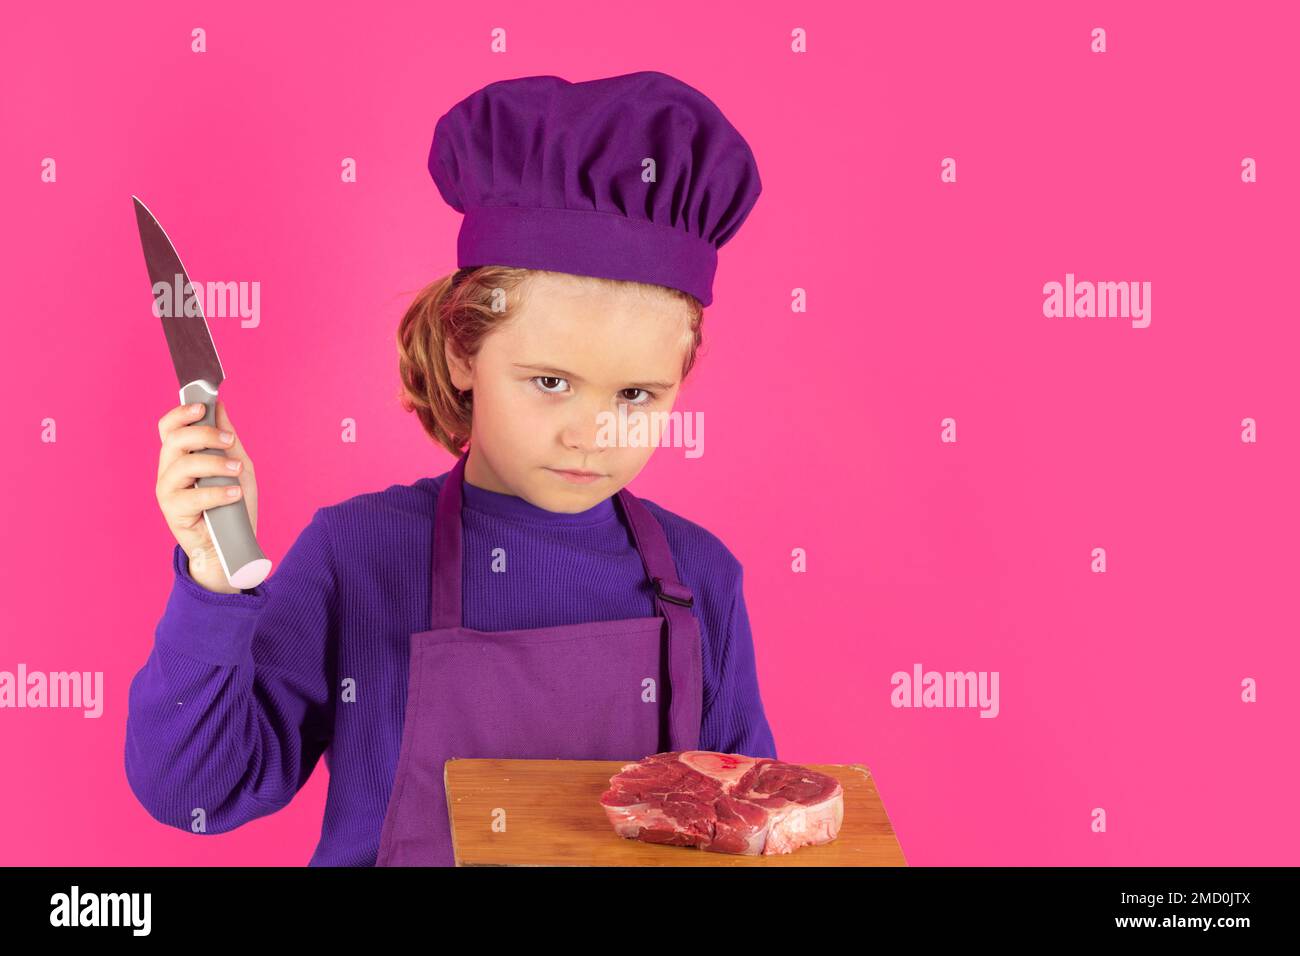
x=241 y=694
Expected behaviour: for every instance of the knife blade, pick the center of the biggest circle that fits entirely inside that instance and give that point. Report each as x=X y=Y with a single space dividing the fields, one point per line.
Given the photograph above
x=199 y=373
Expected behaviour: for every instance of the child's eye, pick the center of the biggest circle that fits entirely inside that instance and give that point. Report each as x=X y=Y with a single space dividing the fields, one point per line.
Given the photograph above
x=547 y=378
x=543 y=385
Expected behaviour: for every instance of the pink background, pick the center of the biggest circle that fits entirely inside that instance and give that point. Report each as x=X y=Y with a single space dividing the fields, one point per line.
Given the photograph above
x=1118 y=690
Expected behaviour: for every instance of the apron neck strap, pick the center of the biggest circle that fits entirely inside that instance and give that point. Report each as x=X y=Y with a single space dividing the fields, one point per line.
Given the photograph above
x=672 y=598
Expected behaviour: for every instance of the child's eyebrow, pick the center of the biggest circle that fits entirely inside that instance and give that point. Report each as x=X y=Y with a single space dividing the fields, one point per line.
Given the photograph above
x=662 y=386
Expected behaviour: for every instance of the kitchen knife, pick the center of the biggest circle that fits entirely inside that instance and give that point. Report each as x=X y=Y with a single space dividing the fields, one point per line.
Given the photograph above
x=200 y=374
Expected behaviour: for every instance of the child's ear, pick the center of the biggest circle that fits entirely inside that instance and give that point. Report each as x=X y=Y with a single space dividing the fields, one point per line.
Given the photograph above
x=461 y=369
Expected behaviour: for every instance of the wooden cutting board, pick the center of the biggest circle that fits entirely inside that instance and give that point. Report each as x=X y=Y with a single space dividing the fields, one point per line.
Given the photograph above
x=548 y=813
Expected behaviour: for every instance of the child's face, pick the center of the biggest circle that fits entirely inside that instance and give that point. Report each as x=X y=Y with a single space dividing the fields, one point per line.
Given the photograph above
x=571 y=352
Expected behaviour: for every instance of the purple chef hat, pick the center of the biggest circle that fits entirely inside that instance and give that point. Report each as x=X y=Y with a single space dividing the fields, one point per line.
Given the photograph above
x=549 y=176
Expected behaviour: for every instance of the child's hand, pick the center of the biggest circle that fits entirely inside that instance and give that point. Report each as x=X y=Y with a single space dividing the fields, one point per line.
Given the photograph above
x=183 y=502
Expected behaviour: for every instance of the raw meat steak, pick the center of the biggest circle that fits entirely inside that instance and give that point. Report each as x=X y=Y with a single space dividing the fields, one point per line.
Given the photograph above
x=724 y=802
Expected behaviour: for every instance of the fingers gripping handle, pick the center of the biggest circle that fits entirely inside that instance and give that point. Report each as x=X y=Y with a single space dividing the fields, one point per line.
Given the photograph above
x=243 y=562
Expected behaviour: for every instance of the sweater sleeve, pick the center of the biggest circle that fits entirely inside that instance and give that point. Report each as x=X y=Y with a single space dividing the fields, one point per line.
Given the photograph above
x=735 y=717
x=234 y=706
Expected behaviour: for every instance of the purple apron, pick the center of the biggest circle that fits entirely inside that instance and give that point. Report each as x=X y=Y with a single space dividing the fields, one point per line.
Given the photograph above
x=602 y=690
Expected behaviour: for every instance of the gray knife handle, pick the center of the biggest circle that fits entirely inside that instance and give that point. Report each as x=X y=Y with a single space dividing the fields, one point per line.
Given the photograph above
x=231 y=532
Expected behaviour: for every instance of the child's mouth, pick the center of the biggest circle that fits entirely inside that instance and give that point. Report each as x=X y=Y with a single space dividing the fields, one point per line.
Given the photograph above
x=577 y=477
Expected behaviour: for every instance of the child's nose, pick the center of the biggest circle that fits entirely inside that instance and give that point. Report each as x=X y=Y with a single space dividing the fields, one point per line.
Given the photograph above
x=583 y=429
